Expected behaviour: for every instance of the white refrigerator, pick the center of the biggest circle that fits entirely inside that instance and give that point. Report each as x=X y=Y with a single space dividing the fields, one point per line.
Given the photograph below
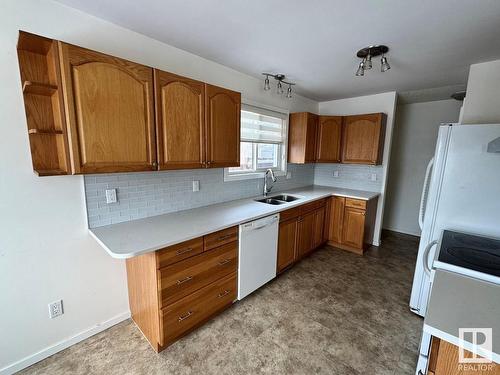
x=461 y=192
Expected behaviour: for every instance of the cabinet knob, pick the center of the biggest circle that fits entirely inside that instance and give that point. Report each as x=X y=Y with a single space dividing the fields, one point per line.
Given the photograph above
x=155 y=164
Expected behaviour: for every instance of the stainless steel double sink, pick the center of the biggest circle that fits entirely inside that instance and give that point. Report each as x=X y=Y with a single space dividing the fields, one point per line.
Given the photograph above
x=278 y=199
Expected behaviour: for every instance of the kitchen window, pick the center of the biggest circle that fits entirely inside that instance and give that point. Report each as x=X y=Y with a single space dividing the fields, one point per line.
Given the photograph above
x=263 y=144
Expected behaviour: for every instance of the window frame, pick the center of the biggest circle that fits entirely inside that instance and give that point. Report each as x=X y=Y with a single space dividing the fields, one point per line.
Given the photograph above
x=250 y=106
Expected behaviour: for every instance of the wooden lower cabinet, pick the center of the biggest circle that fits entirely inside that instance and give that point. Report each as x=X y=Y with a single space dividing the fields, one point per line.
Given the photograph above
x=305 y=234
x=352 y=222
x=287 y=243
x=444 y=360
x=319 y=223
x=183 y=278
x=301 y=231
x=337 y=205
x=180 y=318
x=174 y=290
x=353 y=230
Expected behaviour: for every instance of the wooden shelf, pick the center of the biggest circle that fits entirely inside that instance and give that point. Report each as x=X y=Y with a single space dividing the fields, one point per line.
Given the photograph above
x=37 y=88
x=50 y=172
x=43 y=102
x=44 y=132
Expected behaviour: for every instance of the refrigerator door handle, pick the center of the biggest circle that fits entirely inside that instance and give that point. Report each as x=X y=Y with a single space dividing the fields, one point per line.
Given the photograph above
x=425 y=191
x=425 y=257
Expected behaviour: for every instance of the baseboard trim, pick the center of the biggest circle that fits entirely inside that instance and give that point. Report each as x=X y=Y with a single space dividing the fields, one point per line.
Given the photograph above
x=402 y=231
x=61 y=345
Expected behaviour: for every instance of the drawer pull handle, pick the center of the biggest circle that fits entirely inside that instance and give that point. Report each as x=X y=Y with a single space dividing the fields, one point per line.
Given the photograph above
x=183 y=251
x=179 y=282
x=225 y=261
x=184 y=317
x=223 y=294
x=222 y=238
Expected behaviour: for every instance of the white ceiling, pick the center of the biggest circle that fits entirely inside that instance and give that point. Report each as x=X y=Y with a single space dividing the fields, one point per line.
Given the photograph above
x=432 y=42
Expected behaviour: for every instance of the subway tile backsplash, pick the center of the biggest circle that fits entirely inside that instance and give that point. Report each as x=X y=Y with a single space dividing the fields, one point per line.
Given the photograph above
x=148 y=194
x=350 y=176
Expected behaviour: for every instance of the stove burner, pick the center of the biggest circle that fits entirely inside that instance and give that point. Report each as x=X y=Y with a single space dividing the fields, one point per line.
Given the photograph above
x=472 y=252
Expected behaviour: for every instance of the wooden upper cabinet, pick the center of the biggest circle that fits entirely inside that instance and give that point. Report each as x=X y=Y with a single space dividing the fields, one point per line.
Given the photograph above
x=180 y=121
x=302 y=137
x=109 y=108
x=329 y=138
x=223 y=112
x=363 y=138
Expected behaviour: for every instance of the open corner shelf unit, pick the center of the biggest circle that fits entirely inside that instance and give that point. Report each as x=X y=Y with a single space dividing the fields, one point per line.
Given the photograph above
x=43 y=101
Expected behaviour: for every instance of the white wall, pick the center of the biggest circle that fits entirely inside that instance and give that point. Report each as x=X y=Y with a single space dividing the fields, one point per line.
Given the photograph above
x=414 y=140
x=45 y=250
x=385 y=102
x=481 y=104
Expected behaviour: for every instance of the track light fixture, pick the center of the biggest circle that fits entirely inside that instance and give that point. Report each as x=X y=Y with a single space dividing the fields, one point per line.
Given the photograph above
x=366 y=55
x=279 y=86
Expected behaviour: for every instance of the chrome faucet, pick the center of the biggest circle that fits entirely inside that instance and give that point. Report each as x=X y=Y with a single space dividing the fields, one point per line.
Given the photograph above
x=267 y=190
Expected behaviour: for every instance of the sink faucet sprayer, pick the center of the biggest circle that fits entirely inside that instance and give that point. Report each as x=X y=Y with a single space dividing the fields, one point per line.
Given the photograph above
x=266 y=189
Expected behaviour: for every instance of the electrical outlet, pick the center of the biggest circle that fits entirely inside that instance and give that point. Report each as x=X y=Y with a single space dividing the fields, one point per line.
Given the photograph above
x=56 y=309
x=111 y=196
x=335 y=173
x=288 y=175
x=373 y=177
x=196 y=185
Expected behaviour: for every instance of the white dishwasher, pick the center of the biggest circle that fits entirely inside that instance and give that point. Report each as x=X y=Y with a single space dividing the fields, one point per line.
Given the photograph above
x=258 y=252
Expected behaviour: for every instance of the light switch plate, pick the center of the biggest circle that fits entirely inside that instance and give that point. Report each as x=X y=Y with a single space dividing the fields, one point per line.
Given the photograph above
x=373 y=177
x=335 y=173
x=111 y=196
x=196 y=185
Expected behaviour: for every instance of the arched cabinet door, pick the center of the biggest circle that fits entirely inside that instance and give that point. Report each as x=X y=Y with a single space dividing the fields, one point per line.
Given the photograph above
x=329 y=137
x=363 y=138
x=223 y=127
x=180 y=111
x=109 y=111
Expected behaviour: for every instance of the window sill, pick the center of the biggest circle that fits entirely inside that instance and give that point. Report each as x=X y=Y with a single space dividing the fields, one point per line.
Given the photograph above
x=248 y=176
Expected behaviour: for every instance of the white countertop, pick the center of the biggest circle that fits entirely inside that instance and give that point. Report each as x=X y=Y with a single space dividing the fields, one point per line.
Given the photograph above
x=459 y=301
x=132 y=238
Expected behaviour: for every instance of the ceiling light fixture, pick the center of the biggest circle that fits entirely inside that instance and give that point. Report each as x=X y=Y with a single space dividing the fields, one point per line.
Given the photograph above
x=366 y=55
x=361 y=68
x=267 y=87
x=279 y=86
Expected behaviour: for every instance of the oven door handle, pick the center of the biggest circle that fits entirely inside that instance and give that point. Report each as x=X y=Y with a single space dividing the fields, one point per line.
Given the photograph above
x=425 y=257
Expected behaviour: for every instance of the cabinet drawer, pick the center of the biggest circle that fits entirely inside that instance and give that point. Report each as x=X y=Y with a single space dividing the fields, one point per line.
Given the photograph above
x=221 y=237
x=182 y=278
x=180 y=317
x=312 y=206
x=176 y=253
x=355 y=203
x=289 y=214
